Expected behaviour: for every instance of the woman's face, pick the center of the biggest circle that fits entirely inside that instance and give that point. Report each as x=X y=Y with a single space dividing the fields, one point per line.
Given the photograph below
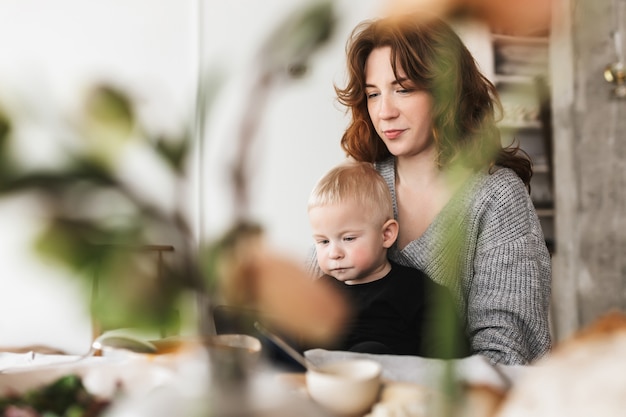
x=401 y=115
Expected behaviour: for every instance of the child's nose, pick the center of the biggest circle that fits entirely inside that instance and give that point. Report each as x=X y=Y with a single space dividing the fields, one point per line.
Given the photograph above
x=335 y=251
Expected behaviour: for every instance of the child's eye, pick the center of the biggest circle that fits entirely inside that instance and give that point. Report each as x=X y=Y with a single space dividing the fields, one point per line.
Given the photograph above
x=349 y=238
x=322 y=242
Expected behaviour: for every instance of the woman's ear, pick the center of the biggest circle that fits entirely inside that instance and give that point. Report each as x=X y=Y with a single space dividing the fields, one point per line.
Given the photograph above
x=390 y=232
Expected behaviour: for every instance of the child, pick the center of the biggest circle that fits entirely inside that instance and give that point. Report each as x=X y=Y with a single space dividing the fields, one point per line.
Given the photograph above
x=396 y=309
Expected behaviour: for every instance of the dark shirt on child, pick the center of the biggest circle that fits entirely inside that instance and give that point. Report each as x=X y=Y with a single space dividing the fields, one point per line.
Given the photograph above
x=404 y=313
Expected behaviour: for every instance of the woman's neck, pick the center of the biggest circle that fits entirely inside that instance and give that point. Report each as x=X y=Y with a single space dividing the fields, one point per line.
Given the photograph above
x=422 y=171
x=417 y=170
x=422 y=191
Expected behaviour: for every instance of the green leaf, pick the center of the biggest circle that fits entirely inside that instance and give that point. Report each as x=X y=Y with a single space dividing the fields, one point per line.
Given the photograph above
x=5 y=130
x=174 y=151
x=83 y=169
x=132 y=293
x=299 y=36
x=109 y=106
x=82 y=244
x=7 y=166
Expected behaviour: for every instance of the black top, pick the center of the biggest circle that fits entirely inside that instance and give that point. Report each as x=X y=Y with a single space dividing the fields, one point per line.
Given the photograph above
x=403 y=313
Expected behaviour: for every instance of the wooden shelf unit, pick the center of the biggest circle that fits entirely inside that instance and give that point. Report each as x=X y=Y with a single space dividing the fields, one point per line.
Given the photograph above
x=522 y=78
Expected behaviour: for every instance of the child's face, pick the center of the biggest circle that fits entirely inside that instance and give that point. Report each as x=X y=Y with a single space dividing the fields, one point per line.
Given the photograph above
x=351 y=245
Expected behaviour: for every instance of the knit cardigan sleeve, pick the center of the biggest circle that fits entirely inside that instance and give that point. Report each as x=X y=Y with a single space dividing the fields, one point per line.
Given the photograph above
x=508 y=293
x=488 y=248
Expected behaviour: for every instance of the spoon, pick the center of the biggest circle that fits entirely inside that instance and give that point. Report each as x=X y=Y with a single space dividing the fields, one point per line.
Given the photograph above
x=118 y=342
x=108 y=341
x=286 y=347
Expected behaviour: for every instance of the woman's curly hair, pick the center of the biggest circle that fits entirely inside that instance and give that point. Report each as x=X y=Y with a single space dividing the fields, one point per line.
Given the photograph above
x=465 y=103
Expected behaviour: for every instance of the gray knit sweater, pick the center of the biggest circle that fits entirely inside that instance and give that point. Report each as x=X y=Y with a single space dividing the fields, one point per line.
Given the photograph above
x=487 y=246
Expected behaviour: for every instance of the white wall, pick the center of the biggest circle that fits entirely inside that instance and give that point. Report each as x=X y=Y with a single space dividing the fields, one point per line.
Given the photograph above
x=299 y=137
x=53 y=51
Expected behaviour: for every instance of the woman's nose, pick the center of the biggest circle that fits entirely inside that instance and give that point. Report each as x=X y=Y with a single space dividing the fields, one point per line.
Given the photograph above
x=387 y=109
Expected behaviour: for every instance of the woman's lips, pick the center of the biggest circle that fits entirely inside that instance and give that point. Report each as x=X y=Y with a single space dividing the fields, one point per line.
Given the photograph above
x=392 y=133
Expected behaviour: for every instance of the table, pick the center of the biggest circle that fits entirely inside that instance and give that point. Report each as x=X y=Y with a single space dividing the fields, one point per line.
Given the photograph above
x=158 y=385
x=428 y=372
x=177 y=384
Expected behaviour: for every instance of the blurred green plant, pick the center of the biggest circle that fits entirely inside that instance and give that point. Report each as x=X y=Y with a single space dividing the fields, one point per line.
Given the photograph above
x=63 y=397
x=98 y=225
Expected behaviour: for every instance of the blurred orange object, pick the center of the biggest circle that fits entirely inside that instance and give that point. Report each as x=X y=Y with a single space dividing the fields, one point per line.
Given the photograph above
x=253 y=276
x=515 y=17
x=583 y=375
x=509 y=17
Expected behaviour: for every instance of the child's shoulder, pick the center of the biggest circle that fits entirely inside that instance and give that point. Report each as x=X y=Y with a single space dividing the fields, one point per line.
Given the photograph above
x=407 y=272
x=415 y=277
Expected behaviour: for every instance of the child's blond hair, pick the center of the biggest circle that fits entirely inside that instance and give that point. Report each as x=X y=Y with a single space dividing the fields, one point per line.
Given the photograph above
x=353 y=181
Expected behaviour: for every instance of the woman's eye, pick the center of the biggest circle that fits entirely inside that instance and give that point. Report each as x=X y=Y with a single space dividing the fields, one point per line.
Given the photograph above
x=371 y=95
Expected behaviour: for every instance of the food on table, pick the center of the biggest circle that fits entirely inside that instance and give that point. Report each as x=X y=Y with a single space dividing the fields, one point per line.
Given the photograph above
x=582 y=376
x=64 y=397
x=405 y=399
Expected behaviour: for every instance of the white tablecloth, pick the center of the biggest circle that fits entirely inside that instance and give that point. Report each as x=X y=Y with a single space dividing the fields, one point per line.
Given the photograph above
x=424 y=371
x=157 y=386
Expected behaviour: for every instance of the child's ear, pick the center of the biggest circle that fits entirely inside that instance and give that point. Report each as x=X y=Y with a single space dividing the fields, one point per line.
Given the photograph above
x=390 y=232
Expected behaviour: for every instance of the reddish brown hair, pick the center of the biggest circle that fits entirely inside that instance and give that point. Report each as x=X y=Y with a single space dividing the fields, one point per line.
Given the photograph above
x=434 y=58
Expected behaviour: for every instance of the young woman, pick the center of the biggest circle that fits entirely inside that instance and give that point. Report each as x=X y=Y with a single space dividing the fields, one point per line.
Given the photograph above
x=425 y=115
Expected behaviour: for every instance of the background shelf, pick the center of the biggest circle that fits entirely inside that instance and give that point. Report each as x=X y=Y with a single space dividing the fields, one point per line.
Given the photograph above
x=521 y=78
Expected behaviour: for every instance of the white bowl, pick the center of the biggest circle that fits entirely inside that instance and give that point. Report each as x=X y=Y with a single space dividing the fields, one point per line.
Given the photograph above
x=346 y=388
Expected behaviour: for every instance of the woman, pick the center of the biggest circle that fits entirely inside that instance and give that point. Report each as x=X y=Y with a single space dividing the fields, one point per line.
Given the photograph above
x=425 y=115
